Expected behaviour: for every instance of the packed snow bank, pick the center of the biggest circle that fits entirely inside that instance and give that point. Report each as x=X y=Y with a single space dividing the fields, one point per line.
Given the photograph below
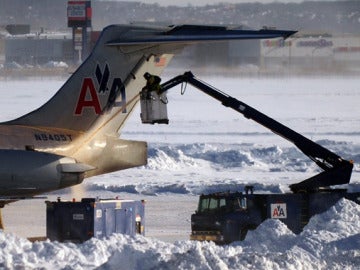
x=330 y=241
x=214 y=167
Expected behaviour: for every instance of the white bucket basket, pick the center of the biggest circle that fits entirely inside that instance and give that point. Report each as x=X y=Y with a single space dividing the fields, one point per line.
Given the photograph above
x=153 y=107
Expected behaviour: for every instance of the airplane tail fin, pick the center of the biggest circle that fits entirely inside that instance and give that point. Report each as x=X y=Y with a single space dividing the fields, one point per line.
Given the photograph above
x=94 y=89
x=94 y=103
x=105 y=88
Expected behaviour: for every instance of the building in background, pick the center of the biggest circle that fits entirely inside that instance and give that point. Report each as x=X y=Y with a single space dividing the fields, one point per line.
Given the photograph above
x=68 y=36
x=38 y=49
x=312 y=52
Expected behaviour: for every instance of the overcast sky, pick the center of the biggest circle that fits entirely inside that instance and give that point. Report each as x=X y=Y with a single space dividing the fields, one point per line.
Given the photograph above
x=204 y=2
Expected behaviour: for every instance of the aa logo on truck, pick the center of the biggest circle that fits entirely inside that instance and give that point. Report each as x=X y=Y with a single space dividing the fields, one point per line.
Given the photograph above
x=89 y=97
x=278 y=210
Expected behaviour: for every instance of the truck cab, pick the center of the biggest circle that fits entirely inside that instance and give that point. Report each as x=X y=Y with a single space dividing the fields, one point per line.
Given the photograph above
x=228 y=216
x=225 y=217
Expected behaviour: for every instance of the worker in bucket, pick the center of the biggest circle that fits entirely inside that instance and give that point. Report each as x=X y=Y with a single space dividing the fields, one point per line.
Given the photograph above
x=152 y=83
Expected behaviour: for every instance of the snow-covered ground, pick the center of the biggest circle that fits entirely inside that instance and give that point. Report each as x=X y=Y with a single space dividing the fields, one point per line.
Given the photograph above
x=207 y=148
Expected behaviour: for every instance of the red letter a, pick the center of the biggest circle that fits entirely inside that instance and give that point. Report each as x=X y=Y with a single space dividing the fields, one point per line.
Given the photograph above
x=93 y=102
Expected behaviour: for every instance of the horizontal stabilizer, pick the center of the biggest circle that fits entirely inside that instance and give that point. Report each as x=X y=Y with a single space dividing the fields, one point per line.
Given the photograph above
x=198 y=33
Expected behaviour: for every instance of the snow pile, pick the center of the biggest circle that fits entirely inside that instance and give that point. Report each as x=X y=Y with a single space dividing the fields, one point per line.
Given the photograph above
x=330 y=241
x=220 y=156
x=212 y=167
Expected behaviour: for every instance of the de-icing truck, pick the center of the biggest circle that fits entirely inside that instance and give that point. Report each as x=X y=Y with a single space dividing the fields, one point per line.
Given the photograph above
x=225 y=217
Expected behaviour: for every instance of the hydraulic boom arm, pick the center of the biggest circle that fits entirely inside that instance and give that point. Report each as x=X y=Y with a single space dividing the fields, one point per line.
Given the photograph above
x=337 y=171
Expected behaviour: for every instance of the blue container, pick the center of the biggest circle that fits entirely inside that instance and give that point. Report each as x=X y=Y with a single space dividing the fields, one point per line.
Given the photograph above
x=79 y=221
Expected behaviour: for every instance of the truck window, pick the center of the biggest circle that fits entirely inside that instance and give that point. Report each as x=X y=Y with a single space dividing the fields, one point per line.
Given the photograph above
x=222 y=202
x=238 y=204
x=213 y=204
x=210 y=204
x=203 y=205
x=243 y=203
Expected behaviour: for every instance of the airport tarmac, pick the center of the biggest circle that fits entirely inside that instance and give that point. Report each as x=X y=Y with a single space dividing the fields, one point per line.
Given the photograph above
x=167 y=217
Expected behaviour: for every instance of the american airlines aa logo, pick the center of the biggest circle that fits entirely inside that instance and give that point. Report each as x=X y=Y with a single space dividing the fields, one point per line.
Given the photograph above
x=89 y=98
x=278 y=210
